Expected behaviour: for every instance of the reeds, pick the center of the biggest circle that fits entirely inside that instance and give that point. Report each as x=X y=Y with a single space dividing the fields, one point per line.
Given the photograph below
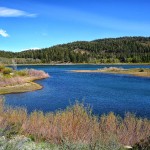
x=109 y=69
x=10 y=81
x=20 y=77
x=76 y=124
x=37 y=73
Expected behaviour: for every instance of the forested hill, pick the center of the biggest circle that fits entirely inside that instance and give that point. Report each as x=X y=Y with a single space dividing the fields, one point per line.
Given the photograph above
x=111 y=50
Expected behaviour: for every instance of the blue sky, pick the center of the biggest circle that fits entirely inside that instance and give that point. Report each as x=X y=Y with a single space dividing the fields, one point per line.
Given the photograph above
x=27 y=24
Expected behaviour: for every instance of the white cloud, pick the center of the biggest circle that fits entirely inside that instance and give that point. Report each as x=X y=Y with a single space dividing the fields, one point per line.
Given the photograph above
x=8 y=12
x=3 y=33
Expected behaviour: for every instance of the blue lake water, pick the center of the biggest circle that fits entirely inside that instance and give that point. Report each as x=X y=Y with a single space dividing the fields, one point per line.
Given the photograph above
x=103 y=92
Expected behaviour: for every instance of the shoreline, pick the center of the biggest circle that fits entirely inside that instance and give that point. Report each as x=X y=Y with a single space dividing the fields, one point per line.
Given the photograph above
x=21 y=84
x=20 y=88
x=59 y=64
x=28 y=86
x=134 y=72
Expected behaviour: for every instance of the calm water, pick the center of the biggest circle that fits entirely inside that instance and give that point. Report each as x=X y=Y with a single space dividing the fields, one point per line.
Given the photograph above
x=104 y=92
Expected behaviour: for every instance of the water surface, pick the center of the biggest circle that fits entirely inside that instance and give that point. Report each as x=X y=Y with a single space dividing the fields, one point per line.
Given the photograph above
x=104 y=92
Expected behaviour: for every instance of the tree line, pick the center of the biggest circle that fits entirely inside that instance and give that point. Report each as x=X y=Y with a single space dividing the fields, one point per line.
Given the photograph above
x=110 y=50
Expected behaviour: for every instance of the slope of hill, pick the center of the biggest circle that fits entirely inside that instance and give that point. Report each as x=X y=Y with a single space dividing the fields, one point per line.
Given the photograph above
x=110 y=50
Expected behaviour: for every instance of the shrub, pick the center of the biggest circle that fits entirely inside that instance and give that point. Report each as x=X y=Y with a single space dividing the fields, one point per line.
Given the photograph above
x=10 y=81
x=20 y=77
x=22 y=72
x=141 y=70
x=1 y=67
x=37 y=73
x=7 y=71
x=111 y=69
x=75 y=127
x=143 y=144
x=24 y=143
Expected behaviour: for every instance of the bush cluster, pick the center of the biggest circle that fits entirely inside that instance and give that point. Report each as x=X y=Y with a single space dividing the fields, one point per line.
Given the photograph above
x=5 y=70
x=76 y=126
x=10 y=77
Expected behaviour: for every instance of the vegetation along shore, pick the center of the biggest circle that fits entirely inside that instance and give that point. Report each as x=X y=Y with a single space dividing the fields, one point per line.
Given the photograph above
x=142 y=72
x=75 y=128
x=13 y=81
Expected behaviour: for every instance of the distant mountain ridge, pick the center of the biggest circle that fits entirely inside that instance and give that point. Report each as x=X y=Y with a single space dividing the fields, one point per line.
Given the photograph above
x=108 y=50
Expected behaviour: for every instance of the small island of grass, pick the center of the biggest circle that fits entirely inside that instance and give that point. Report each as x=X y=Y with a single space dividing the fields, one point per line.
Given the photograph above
x=142 y=72
x=13 y=81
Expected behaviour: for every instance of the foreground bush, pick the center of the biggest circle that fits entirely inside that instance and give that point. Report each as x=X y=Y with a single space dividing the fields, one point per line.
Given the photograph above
x=143 y=144
x=24 y=143
x=76 y=126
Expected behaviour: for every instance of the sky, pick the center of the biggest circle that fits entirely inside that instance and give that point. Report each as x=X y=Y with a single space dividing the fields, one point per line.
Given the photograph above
x=33 y=24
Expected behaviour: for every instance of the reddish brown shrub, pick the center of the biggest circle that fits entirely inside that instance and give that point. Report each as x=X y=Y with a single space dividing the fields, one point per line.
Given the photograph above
x=75 y=124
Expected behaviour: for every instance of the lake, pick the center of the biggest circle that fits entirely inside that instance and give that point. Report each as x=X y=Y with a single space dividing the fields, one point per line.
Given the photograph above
x=103 y=92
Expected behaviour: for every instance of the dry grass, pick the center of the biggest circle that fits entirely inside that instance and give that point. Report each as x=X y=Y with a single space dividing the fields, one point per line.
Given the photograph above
x=20 y=81
x=105 y=69
x=10 y=81
x=114 y=70
x=135 y=71
x=37 y=73
x=20 y=77
x=75 y=124
x=25 y=87
x=110 y=69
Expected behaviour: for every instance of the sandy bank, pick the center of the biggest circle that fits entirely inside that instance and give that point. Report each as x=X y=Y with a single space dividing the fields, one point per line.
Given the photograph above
x=135 y=72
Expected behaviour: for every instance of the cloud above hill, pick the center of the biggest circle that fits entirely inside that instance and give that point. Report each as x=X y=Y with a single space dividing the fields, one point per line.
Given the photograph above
x=8 y=12
x=3 y=33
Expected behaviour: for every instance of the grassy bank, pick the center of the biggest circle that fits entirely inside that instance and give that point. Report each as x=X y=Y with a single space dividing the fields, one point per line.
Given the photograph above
x=74 y=127
x=142 y=72
x=20 y=88
x=12 y=81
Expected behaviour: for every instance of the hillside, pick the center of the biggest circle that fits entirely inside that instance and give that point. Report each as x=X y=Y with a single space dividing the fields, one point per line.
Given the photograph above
x=110 y=50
